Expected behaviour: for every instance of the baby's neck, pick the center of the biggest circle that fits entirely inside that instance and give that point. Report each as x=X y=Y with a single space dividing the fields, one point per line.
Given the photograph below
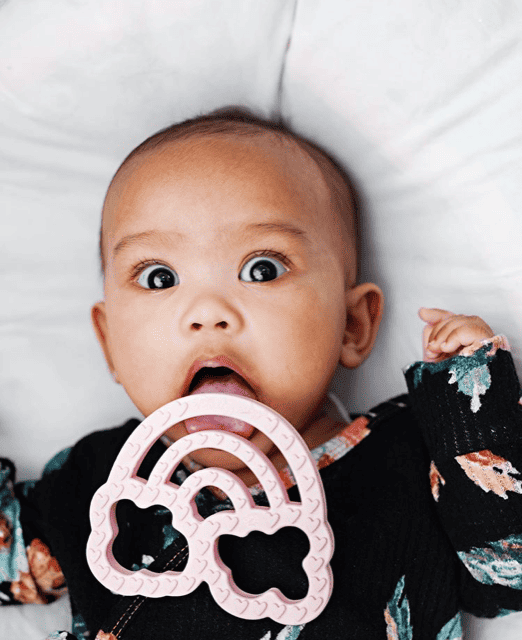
x=323 y=426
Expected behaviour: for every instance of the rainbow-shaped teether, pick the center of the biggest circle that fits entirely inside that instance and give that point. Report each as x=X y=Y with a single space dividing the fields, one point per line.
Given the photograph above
x=204 y=563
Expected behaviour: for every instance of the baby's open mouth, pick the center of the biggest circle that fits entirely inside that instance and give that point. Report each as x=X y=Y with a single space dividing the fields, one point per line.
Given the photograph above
x=220 y=380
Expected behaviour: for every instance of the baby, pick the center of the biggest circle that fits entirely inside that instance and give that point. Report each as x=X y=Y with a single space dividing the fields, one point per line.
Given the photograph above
x=229 y=254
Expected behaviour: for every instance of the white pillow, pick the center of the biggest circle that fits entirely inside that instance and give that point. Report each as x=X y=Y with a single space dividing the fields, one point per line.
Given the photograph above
x=81 y=84
x=422 y=102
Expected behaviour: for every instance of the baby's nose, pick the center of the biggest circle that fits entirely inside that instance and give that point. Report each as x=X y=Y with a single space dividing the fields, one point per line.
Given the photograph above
x=213 y=313
x=222 y=324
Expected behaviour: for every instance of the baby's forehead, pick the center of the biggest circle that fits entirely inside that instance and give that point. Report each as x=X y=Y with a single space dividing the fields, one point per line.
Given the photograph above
x=275 y=157
x=226 y=150
x=276 y=163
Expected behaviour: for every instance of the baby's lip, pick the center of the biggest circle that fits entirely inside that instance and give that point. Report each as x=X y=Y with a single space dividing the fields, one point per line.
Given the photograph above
x=229 y=384
x=213 y=362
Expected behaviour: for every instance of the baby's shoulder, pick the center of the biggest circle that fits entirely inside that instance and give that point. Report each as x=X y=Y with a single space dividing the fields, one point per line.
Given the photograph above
x=89 y=461
x=382 y=440
x=107 y=440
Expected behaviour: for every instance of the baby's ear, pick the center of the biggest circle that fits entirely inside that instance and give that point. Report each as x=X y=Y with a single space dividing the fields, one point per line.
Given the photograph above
x=364 y=306
x=99 y=322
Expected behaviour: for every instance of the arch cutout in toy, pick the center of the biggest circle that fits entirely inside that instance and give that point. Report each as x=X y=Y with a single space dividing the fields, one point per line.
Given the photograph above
x=204 y=563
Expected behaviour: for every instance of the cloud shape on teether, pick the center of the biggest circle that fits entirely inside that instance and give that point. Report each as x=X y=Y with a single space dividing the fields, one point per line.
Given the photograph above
x=204 y=563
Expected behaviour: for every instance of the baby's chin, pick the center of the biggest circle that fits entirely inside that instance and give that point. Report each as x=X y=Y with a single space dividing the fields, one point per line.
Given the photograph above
x=218 y=457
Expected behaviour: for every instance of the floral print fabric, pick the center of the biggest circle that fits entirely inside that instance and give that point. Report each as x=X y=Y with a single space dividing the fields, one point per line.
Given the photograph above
x=471 y=488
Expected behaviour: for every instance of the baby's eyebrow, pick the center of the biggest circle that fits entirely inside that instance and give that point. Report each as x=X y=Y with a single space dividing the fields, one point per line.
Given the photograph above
x=275 y=227
x=153 y=236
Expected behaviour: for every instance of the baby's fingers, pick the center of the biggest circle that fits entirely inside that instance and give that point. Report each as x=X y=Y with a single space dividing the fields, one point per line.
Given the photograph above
x=456 y=333
x=435 y=319
x=432 y=316
x=462 y=337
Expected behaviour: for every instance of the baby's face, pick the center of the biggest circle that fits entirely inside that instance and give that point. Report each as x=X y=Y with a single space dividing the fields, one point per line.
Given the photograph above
x=223 y=246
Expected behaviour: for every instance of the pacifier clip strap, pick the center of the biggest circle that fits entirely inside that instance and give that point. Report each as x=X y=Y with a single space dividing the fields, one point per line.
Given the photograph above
x=173 y=558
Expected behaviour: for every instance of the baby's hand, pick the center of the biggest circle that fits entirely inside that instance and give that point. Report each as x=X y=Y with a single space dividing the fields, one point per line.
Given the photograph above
x=447 y=334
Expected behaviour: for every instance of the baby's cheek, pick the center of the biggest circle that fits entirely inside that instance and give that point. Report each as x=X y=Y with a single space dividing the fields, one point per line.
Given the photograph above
x=321 y=323
x=139 y=353
x=137 y=336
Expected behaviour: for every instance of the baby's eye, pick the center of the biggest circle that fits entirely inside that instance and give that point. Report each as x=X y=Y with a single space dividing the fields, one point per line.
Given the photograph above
x=157 y=276
x=262 y=269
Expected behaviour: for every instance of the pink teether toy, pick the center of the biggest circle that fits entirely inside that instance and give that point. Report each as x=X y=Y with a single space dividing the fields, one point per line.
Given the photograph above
x=204 y=563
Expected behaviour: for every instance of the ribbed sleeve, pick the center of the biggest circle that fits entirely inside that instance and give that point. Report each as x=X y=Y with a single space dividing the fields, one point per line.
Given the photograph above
x=468 y=409
x=466 y=403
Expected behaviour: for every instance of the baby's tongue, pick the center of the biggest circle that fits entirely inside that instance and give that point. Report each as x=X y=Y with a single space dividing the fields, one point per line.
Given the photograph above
x=228 y=384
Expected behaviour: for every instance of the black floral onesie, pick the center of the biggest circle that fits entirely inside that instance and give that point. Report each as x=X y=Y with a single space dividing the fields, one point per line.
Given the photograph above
x=424 y=496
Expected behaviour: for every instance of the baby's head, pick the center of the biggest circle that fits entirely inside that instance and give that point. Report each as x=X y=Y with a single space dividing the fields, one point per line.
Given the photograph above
x=229 y=239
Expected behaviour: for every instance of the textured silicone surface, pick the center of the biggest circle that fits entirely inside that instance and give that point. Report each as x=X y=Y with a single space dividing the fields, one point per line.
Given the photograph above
x=204 y=563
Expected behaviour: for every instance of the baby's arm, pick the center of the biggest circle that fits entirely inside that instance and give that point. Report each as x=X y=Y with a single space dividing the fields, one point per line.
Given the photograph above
x=28 y=572
x=466 y=397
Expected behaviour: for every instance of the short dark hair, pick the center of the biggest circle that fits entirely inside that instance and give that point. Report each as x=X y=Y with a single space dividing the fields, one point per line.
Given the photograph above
x=240 y=121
